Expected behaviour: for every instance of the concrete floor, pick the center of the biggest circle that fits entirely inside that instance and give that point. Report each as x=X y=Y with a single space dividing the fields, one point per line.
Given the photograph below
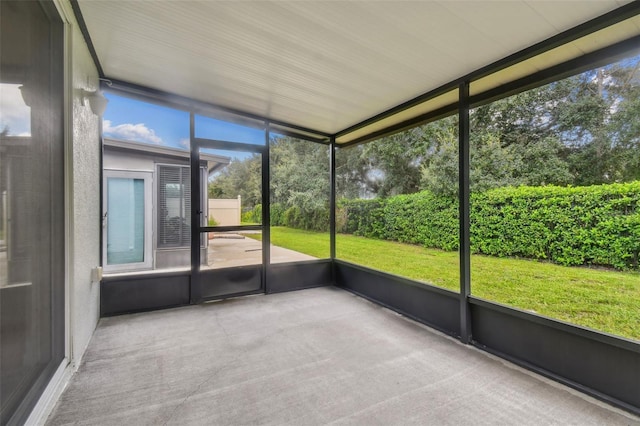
x=320 y=356
x=237 y=250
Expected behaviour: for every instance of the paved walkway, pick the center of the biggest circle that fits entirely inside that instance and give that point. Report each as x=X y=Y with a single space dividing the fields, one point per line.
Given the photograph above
x=238 y=250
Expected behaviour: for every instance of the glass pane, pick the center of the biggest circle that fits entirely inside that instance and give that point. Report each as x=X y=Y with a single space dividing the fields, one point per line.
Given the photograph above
x=144 y=137
x=234 y=248
x=555 y=182
x=139 y=122
x=233 y=198
x=397 y=204
x=32 y=192
x=125 y=220
x=300 y=190
x=234 y=187
x=238 y=130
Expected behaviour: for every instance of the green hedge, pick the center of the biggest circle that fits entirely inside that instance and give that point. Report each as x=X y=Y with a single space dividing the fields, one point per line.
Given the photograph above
x=595 y=225
x=293 y=217
x=423 y=218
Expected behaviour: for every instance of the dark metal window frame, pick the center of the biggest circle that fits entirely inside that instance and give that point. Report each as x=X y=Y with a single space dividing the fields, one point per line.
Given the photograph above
x=197 y=214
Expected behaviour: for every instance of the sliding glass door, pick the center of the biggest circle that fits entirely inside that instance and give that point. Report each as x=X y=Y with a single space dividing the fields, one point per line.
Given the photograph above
x=32 y=246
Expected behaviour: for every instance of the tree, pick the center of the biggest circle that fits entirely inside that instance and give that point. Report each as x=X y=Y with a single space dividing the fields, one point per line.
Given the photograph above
x=353 y=178
x=299 y=173
x=394 y=162
x=240 y=177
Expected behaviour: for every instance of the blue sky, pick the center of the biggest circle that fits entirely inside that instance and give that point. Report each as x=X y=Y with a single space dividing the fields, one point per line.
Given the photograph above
x=15 y=115
x=130 y=119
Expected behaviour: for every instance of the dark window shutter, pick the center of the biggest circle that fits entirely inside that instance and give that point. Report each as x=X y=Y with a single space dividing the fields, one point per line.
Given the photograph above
x=174 y=206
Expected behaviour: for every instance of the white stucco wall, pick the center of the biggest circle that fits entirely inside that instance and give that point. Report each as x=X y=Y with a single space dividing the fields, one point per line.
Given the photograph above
x=85 y=196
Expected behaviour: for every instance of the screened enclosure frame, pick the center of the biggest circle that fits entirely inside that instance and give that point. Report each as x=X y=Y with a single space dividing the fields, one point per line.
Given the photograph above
x=198 y=229
x=512 y=334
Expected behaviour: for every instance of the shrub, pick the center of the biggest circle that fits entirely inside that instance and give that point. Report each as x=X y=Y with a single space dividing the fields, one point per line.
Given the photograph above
x=594 y=225
x=312 y=220
x=277 y=214
x=316 y=219
x=253 y=216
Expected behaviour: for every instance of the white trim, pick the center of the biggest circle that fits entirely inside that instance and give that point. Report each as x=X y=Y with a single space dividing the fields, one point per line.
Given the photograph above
x=51 y=394
x=177 y=153
x=67 y=19
x=186 y=269
x=111 y=169
x=147 y=263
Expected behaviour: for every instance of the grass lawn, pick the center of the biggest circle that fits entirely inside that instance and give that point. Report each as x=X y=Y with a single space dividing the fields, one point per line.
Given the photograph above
x=604 y=300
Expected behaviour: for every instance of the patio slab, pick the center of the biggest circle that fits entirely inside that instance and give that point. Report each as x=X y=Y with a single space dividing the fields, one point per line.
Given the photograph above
x=238 y=250
x=310 y=357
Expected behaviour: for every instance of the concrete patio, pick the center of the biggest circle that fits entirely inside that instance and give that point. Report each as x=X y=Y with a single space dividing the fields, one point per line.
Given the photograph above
x=319 y=356
x=236 y=249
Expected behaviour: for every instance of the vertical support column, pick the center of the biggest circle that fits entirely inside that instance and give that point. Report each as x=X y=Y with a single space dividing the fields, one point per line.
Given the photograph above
x=332 y=207
x=102 y=255
x=332 y=199
x=196 y=213
x=266 y=212
x=464 y=207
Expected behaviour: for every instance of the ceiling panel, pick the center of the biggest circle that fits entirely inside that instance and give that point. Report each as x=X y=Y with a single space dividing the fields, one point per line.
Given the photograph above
x=433 y=104
x=320 y=65
x=589 y=43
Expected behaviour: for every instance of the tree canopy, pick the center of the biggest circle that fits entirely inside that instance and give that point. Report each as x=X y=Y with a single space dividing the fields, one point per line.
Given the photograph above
x=299 y=172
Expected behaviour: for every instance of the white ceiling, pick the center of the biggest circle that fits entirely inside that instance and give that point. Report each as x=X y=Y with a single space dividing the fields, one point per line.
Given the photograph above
x=324 y=65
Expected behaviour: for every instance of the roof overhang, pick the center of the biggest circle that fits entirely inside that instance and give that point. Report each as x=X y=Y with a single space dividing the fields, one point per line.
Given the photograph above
x=214 y=162
x=354 y=70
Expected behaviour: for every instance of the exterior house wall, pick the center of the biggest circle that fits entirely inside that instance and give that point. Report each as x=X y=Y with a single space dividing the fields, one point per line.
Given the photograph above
x=125 y=160
x=84 y=195
x=114 y=160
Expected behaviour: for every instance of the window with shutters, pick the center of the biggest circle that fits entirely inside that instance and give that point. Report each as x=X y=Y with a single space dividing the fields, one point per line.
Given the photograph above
x=174 y=206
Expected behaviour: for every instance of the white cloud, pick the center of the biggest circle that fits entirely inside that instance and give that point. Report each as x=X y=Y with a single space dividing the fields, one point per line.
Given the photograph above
x=185 y=143
x=14 y=114
x=135 y=132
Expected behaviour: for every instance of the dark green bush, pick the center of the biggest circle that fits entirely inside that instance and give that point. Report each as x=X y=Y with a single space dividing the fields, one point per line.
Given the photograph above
x=422 y=218
x=253 y=216
x=277 y=214
x=594 y=225
x=312 y=220
x=294 y=217
x=590 y=225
